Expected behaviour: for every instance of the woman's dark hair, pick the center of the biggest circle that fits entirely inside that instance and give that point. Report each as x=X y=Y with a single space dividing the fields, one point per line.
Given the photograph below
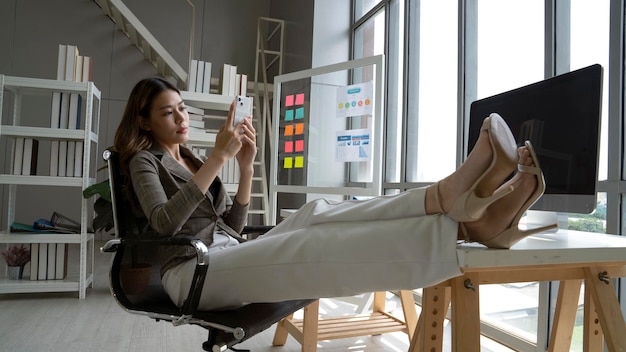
x=130 y=138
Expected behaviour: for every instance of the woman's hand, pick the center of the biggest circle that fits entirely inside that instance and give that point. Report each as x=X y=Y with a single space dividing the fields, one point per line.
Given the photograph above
x=247 y=153
x=228 y=140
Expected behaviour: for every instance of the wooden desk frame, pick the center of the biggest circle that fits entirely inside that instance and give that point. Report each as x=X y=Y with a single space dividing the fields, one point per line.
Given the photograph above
x=603 y=315
x=312 y=328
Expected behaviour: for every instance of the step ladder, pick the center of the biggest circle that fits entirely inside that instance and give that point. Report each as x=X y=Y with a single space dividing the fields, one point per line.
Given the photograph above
x=141 y=37
x=270 y=32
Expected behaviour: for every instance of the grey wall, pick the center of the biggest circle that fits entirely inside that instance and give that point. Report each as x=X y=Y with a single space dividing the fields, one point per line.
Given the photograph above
x=225 y=32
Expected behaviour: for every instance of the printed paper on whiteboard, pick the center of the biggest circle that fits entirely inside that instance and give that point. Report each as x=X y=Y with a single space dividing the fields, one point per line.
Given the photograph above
x=353 y=145
x=355 y=100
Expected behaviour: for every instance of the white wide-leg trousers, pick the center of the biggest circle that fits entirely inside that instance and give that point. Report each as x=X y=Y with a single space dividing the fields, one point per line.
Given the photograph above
x=330 y=249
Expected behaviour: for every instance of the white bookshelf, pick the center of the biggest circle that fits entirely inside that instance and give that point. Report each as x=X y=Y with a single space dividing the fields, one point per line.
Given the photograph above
x=18 y=87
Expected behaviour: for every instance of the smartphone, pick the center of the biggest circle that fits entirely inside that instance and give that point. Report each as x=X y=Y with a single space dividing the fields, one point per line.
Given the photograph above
x=243 y=109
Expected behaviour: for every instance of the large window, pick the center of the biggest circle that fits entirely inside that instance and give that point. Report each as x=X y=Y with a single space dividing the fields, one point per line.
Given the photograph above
x=442 y=55
x=431 y=133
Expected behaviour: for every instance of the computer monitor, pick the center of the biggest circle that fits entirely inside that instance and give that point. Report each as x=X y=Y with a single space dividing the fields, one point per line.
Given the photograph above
x=561 y=117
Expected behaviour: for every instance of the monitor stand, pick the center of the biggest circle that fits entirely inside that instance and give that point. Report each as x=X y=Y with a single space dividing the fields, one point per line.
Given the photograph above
x=538 y=218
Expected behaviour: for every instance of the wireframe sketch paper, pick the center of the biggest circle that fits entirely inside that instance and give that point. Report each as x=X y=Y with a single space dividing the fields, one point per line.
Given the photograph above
x=353 y=145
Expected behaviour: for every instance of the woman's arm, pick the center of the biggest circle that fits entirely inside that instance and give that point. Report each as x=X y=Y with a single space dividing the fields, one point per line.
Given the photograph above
x=165 y=215
x=245 y=158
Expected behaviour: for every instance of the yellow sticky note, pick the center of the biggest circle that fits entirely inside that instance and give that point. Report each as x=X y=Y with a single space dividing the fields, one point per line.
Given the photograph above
x=288 y=163
x=299 y=162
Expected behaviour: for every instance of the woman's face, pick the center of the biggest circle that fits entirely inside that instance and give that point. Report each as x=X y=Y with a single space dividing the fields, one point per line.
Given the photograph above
x=169 y=119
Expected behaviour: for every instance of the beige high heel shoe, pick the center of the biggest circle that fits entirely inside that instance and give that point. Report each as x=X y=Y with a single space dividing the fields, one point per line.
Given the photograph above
x=507 y=238
x=469 y=206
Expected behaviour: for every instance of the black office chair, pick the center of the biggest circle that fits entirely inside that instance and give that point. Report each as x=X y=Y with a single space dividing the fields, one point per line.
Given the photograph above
x=225 y=328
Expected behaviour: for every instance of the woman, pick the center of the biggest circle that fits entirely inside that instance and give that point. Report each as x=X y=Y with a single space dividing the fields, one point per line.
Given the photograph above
x=325 y=249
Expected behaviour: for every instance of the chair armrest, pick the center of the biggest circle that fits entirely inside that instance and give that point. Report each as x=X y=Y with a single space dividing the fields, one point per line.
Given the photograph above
x=261 y=229
x=202 y=250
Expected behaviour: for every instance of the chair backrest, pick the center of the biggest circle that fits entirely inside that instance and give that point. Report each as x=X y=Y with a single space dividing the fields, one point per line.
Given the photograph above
x=115 y=179
x=126 y=220
x=128 y=224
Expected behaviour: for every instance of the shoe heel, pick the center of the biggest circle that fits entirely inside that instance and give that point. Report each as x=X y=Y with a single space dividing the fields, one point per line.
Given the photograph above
x=512 y=235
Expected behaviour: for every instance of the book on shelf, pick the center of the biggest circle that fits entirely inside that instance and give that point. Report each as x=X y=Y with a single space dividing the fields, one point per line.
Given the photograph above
x=18 y=155
x=206 y=80
x=70 y=62
x=19 y=227
x=34 y=261
x=78 y=71
x=29 y=159
x=225 y=79
x=42 y=267
x=243 y=84
x=87 y=68
x=58 y=223
x=78 y=159
x=60 y=266
x=62 y=55
x=50 y=270
x=193 y=73
x=55 y=120
x=232 y=86
x=64 y=117
x=199 y=77
x=196 y=123
x=73 y=123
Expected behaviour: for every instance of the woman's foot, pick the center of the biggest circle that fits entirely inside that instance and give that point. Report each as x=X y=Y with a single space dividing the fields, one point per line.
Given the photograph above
x=500 y=214
x=498 y=228
x=490 y=162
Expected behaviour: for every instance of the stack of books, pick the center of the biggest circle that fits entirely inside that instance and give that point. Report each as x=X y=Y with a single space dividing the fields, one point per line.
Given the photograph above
x=66 y=157
x=199 y=77
x=233 y=83
x=25 y=156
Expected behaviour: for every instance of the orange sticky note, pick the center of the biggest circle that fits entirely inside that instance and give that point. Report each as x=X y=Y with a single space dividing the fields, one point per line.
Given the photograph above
x=288 y=163
x=289 y=100
x=299 y=128
x=299 y=145
x=300 y=99
x=289 y=130
x=299 y=162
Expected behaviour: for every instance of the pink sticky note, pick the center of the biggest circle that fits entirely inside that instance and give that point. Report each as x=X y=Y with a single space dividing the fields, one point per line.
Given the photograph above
x=289 y=147
x=300 y=99
x=299 y=145
x=289 y=100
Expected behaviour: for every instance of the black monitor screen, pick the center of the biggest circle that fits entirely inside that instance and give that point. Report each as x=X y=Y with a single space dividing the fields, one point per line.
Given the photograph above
x=561 y=117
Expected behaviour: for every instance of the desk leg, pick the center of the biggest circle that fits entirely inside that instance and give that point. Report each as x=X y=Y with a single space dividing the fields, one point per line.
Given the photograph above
x=592 y=331
x=410 y=314
x=428 y=335
x=608 y=309
x=565 y=316
x=466 y=313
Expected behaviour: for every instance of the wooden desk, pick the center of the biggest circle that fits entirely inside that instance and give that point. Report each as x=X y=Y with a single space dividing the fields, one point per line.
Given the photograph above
x=566 y=256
